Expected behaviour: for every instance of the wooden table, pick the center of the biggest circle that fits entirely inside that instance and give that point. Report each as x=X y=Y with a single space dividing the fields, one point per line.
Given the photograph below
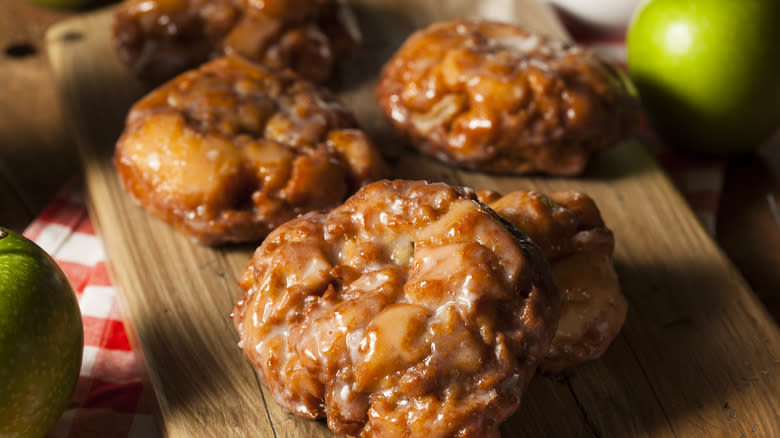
x=37 y=157
x=36 y=153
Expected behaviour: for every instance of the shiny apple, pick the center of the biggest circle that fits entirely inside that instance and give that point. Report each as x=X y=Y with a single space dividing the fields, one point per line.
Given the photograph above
x=41 y=338
x=708 y=71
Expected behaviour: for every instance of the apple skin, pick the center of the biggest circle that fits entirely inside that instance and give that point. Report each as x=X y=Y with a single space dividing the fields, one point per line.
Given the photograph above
x=41 y=338
x=708 y=71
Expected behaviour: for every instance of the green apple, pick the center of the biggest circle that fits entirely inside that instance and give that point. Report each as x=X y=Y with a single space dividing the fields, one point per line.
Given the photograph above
x=41 y=338
x=708 y=71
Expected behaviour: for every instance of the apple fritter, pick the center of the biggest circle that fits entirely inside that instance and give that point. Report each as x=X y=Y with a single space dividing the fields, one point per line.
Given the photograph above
x=158 y=39
x=569 y=229
x=229 y=151
x=412 y=310
x=491 y=96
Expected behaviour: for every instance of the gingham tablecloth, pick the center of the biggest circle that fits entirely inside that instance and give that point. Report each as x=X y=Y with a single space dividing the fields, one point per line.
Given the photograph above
x=111 y=398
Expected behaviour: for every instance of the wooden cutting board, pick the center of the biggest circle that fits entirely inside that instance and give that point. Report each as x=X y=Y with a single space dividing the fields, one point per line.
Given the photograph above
x=698 y=355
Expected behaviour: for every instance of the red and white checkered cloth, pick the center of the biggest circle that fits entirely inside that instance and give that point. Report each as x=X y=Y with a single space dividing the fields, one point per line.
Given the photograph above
x=111 y=398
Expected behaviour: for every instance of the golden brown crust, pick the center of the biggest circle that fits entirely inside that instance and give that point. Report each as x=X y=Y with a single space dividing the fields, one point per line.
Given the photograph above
x=158 y=39
x=492 y=97
x=410 y=310
x=228 y=152
x=569 y=229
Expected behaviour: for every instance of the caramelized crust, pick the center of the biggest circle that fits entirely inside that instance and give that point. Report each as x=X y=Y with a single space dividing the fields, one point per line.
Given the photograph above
x=158 y=39
x=569 y=229
x=228 y=152
x=493 y=97
x=411 y=310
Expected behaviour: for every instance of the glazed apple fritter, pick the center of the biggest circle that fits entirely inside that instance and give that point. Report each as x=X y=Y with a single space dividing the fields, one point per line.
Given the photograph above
x=411 y=310
x=228 y=152
x=158 y=39
x=569 y=229
x=490 y=96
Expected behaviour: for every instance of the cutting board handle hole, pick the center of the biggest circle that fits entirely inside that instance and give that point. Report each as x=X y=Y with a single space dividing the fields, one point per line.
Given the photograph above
x=71 y=36
x=20 y=50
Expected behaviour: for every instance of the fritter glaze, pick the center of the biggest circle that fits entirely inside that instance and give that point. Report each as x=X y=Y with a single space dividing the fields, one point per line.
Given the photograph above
x=490 y=96
x=228 y=152
x=158 y=39
x=411 y=310
x=569 y=229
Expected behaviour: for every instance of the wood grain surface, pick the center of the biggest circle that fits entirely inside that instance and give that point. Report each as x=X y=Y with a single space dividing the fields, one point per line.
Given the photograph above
x=698 y=356
x=28 y=103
